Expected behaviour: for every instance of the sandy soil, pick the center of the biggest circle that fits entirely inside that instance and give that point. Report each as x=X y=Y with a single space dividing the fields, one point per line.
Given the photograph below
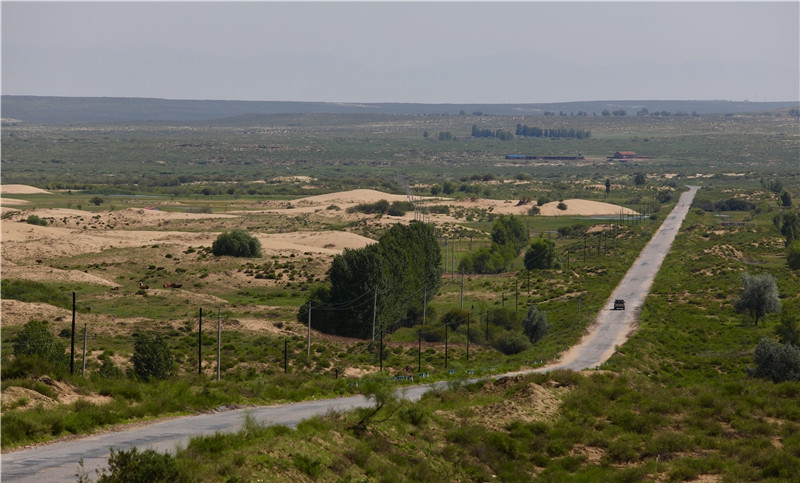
x=67 y=394
x=26 y=248
x=20 y=189
x=577 y=207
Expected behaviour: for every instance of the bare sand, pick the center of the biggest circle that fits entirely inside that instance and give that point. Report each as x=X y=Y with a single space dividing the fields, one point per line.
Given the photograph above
x=20 y=189
x=25 y=248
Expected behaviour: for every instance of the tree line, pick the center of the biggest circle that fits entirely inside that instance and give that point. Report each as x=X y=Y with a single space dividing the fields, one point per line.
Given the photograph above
x=537 y=132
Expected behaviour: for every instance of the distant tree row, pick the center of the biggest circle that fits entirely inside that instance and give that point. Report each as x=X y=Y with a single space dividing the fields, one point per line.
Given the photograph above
x=488 y=133
x=537 y=132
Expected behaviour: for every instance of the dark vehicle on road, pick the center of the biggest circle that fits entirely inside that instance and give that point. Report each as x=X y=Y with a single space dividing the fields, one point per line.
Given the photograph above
x=619 y=304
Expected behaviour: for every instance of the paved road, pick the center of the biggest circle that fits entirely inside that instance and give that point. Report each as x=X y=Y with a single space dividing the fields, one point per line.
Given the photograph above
x=611 y=327
x=59 y=462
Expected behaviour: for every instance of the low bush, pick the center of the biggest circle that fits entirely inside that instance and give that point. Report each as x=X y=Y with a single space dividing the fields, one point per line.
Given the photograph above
x=237 y=243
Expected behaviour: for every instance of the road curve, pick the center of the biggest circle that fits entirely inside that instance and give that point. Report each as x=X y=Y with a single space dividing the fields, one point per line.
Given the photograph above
x=57 y=463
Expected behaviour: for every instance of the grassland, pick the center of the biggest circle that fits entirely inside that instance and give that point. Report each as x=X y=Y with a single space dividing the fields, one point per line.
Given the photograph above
x=674 y=404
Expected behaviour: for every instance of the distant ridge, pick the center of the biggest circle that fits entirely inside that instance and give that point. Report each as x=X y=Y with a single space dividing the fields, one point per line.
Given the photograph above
x=66 y=110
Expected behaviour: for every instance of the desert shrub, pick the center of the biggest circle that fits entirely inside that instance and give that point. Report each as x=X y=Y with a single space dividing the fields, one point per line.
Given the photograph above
x=379 y=207
x=399 y=208
x=35 y=220
x=511 y=343
x=237 y=243
x=779 y=362
x=152 y=359
x=535 y=324
x=439 y=209
x=132 y=466
x=35 y=339
x=109 y=370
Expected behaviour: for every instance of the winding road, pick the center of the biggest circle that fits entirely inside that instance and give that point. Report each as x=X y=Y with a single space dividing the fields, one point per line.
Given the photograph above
x=56 y=463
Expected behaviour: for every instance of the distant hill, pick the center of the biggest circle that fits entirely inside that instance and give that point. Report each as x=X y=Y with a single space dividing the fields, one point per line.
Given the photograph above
x=66 y=110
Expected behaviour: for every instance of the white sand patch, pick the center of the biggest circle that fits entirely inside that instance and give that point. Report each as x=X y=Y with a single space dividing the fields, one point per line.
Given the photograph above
x=328 y=242
x=577 y=207
x=21 y=189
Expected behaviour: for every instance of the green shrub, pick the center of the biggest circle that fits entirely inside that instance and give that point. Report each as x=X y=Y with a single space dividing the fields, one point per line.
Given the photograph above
x=779 y=362
x=152 y=359
x=35 y=339
x=35 y=220
x=535 y=324
x=511 y=343
x=149 y=466
x=237 y=243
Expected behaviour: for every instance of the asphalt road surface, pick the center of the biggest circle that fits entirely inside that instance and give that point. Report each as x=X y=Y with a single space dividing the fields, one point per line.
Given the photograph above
x=57 y=463
x=611 y=327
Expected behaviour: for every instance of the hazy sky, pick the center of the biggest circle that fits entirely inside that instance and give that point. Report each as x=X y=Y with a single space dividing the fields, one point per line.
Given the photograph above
x=449 y=52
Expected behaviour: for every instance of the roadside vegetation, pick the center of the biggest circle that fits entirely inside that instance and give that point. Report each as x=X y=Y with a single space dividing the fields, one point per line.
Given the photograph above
x=706 y=387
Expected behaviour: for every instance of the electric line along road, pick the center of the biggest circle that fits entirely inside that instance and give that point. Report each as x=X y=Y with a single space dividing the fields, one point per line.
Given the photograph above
x=57 y=463
x=611 y=327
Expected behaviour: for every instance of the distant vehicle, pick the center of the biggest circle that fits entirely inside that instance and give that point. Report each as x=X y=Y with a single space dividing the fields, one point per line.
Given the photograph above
x=619 y=304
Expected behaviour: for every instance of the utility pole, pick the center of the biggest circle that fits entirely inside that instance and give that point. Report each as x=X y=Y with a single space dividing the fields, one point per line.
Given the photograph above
x=445 y=346
x=469 y=316
x=380 y=354
x=419 y=350
x=424 y=306
x=72 y=345
x=219 y=343
x=462 y=289
x=308 y=349
x=85 y=333
x=200 y=344
x=374 y=312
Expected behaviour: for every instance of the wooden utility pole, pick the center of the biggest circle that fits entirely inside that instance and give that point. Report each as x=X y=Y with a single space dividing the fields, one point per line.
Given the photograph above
x=200 y=344
x=72 y=345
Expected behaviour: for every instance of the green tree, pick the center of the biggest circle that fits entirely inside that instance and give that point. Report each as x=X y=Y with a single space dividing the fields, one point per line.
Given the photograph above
x=608 y=186
x=535 y=324
x=793 y=255
x=237 y=243
x=509 y=230
x=97 y=201
x=436 y=190
x=758 y=296
x=449 y=187
x=541 y=254
x=639 y=179
x=152 y=359
x=393 y=273
x=788 y=331
x=789 y=225
x=786 y=199
x=35 y=339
